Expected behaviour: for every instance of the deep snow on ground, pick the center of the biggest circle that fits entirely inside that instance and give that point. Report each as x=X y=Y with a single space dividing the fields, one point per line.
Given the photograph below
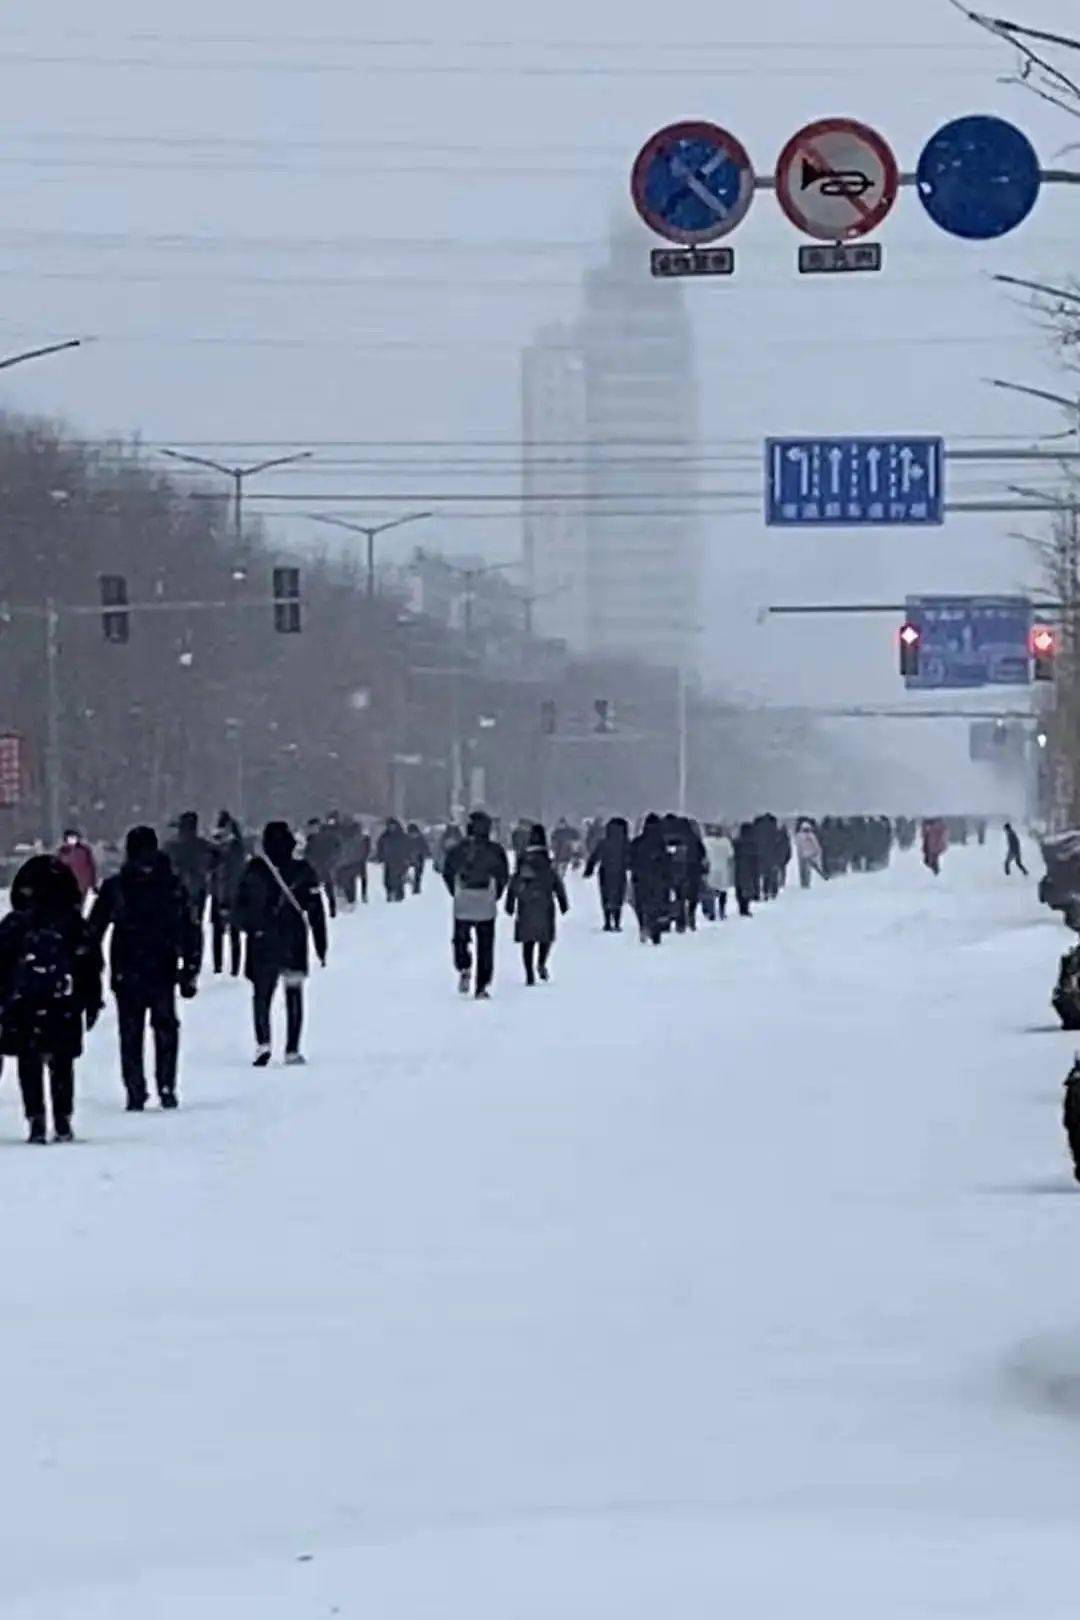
x=735 y=1277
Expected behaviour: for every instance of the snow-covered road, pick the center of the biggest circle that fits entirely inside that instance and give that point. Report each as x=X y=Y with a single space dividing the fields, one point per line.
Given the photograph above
x=738 y=1277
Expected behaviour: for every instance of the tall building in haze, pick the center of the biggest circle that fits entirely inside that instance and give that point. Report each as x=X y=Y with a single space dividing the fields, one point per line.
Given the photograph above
x=610 y=414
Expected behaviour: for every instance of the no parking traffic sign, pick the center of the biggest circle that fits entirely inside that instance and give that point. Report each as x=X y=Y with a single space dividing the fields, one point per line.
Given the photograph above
x=692 y=182
x=837 y=179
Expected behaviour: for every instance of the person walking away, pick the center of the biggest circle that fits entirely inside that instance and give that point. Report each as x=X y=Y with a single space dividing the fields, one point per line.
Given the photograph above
x=476 y=875
x=1014 y=855
x=230 y=858
x=419 y=855
x=531 y=897
x=78 y=857
x=448 y=840
x=192 y=858
x=154 y=950
x=935 y=841
x=280 y=908
x=352 y=865
x=809 y=854
x=747 y=871
x=564 y=841
x=50 y=989
x=394 y=851
x=321 y=849
x=610 y=859
x=720 y=853
x=650 y=871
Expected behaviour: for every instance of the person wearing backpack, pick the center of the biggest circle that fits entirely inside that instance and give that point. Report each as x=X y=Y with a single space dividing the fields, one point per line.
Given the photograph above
x=279 y=908
x=476 y=874
x=50 y=989
x=534 y=892
x=153 y=950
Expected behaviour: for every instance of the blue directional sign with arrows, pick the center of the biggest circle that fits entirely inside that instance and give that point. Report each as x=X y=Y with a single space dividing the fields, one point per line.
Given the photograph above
x=838 y=483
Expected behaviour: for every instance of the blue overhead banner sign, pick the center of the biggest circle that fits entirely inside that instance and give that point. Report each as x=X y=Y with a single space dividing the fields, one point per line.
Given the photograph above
x=969 y=641
x=837 y=483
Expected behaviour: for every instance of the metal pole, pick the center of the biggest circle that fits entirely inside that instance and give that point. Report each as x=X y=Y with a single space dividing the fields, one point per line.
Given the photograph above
x=238 y=505
x=53 y=760
x=370 y=533
x=683 y=740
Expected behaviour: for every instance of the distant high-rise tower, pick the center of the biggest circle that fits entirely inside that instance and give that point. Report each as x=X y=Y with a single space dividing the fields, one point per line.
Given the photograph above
x=616 y=395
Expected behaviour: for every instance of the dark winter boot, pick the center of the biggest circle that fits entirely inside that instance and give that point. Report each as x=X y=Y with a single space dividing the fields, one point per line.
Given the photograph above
x=262 y=1058
x=169 y=1099
x=464 y=983
x=63 y=1131
x=135 y=1105
x=37 y=1130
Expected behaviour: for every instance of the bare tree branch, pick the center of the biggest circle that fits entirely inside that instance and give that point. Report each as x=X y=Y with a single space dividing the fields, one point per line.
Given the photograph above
x=1037 y=72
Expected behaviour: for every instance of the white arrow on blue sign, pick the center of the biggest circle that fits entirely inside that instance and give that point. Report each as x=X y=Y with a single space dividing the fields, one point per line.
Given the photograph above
x=844 y=483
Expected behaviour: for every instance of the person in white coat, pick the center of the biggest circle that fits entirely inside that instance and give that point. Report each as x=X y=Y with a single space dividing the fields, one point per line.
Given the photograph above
x=809 y=853
x=721 y=876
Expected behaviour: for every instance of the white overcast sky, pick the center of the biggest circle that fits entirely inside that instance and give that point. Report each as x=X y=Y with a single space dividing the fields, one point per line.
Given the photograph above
x=342 y=221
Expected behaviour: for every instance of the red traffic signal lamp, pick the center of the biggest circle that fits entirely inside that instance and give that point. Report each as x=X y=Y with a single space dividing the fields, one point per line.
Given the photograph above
x=910 y=648
x=1044 y=651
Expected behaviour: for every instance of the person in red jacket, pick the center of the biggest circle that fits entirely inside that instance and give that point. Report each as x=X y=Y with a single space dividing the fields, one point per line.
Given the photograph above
x=935 y=841
x=78 y=857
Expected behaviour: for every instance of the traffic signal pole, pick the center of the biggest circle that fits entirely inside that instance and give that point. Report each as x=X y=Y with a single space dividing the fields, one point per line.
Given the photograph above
x=51 y=615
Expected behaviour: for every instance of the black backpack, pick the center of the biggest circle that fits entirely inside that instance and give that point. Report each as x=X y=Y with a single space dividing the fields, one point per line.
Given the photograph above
x=44 y=975
x=474 y=869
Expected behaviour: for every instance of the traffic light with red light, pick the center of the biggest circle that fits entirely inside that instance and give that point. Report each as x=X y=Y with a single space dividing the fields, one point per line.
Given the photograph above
x=1044 y=650
x=910 y=648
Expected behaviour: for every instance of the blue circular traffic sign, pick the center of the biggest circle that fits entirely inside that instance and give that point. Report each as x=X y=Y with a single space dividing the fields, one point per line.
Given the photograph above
x=979 y=177
x=692 y=182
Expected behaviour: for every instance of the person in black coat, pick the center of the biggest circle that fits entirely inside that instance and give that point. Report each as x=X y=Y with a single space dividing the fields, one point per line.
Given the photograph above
x=532 y=895
x=476 y=874
x=394 y=850
x=192 y=857
x=610 y=858
x=50 y=986
x=352 y=862
x=747 y=869
x=650 y=870
x=230 y=858
x=419 y=855
x=280 y=905
x=154 y=948
x=322 y=850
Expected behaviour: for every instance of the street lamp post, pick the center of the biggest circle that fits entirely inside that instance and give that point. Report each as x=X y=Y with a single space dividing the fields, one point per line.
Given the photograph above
x=238 y=475
x=39 y=354
x=369 y=531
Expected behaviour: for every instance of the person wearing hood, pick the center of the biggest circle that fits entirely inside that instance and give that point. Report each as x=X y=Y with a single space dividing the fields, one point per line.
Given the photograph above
x=650 y=870
x=476 y=875
x=394 y=850
x=532 y=896
x=809 y=853
x=280 y=908
x=230 y=858
x=610 y=858
x=154 y=948
x=50 y=988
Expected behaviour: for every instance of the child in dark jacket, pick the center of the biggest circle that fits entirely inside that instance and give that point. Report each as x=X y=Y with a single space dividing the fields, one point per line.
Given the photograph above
x=535 y=890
